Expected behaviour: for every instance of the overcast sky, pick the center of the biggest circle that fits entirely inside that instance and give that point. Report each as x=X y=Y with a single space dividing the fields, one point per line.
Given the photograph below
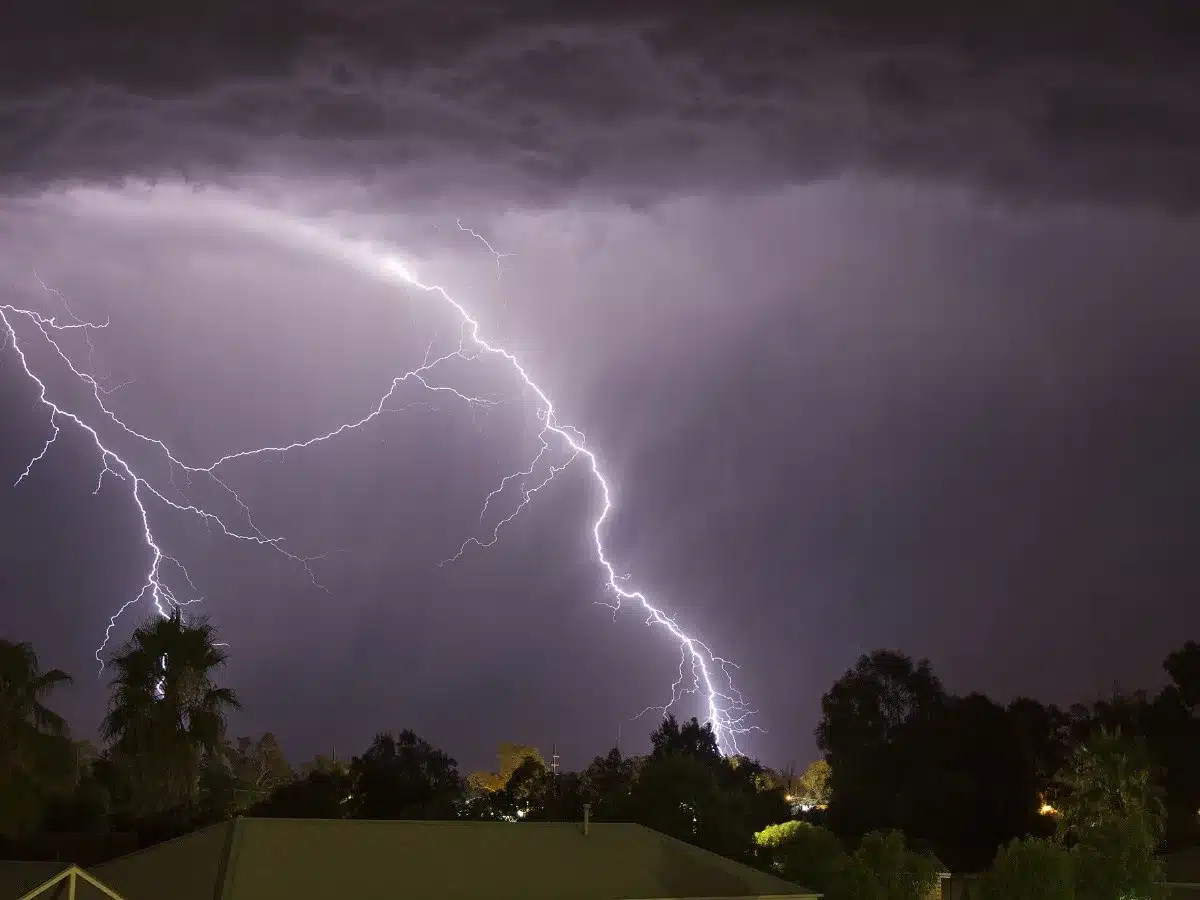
x=884 y=329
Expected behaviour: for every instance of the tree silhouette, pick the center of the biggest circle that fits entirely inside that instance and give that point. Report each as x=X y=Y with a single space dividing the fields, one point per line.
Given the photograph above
x=37 y=759
x=166 y=712
x=607 y=785
x=404 y=777
x=868 y=720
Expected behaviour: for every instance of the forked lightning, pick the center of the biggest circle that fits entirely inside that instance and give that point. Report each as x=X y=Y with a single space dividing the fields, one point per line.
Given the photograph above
x=166 y=582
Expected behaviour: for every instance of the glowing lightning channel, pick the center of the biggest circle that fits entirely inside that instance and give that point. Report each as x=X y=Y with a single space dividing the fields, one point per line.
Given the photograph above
x=496 y=254
x=710 y=676
x=701 y=672
x=155 y=585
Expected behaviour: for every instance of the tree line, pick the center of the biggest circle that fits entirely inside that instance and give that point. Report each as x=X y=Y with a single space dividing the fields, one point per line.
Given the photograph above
x=912 y=780
x=1043 y=801
x=167 y=764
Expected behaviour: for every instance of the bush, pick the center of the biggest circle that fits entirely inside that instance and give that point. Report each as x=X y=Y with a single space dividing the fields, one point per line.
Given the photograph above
x=903 y=874
x=1030 y=869
x=803 y=853
x=1115 y=860
x=854 y=881
x=883 y=868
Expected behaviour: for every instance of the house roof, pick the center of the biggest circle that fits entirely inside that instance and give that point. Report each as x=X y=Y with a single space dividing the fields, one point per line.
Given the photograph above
x=19 y=878
x=292 y=859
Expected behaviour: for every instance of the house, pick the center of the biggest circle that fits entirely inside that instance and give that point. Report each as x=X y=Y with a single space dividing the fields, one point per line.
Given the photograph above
x=51 y=881
x=294 y=859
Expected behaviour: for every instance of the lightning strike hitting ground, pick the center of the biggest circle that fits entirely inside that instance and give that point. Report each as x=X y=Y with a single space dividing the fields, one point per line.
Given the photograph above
x=701 y=672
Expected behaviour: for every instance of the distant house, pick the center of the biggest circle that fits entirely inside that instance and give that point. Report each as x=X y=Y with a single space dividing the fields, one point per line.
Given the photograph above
x=295 y=859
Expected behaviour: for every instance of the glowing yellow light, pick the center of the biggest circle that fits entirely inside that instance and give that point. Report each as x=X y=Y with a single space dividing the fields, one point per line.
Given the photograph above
x=1047 y=810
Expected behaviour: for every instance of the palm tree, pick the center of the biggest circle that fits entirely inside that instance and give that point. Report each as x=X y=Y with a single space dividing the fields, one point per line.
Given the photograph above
x=23 y=687
x=36 y=755
x=166 y=713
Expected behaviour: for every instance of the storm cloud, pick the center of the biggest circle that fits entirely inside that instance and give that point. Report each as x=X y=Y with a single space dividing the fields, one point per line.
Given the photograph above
x=883 y=324
x=1023 y=101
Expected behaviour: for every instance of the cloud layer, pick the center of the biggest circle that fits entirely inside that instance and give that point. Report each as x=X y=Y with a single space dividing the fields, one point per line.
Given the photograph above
x=1082 y=102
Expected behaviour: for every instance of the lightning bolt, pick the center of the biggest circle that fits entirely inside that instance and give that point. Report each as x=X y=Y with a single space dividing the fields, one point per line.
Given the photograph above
x=701 y=672
x=496 y=254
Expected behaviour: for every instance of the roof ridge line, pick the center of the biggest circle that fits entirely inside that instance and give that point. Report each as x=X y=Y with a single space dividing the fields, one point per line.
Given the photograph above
x=224 y=880
x=717 y=857
x=157 y=844
x=457 y=823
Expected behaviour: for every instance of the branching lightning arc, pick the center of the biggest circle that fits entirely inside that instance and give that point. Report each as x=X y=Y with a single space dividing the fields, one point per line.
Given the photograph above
x=167 y=584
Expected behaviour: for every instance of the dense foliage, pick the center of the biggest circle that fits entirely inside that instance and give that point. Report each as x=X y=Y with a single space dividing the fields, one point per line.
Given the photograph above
x=1062 y=804
x=964 y=775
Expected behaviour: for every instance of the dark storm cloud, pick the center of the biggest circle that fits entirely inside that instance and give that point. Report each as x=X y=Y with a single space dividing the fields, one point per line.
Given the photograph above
x=1065 y=101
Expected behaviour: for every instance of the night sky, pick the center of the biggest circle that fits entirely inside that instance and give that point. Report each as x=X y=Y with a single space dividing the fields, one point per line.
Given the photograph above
x=885 y=329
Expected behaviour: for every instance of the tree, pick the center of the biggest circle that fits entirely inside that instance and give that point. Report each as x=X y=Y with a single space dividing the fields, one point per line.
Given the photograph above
x=687 y=789
x=511 y=757
x=806 y=854
x=813 y=788
x=237 y=777
x=900 y=873
x=759 y=798
x=218 y=793
x=607 y=785
x=321 y=794
x=970 y=786
x=37 y=759
x=166 y=712
x=1116 y=860
x=23 y=688
x=854 y=881
x=690 y=739
x=1172 y=731
x=325 y=764
x=1110 y=777
x=529 y=792
x=679 y=794
x=565 y=803
x=85 y=808
x=868 y=719
x=1043 y=737
x=521 y=788
x=404 y=777
x=1030 y=869
x=1183 y=665
x=259 y=768
x=1111 y=810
